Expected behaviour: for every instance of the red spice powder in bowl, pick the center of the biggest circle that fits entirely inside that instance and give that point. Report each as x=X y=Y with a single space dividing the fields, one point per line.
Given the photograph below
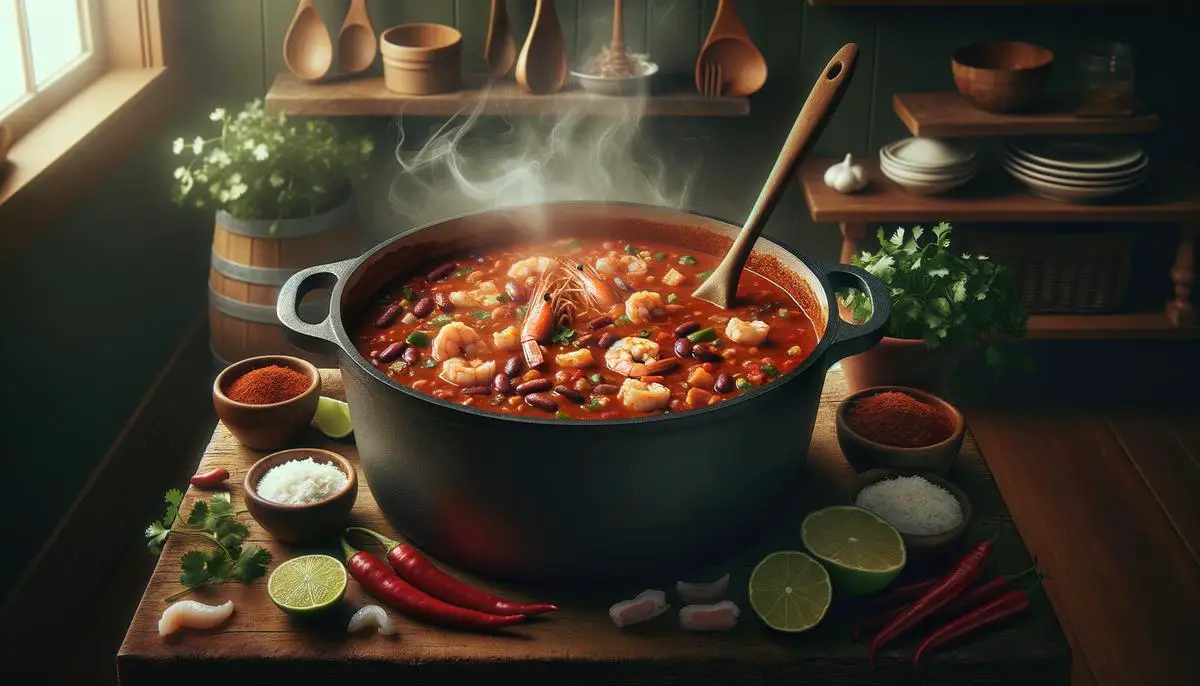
x=899 y=428
x=267 y=402
x=898 y=419
x=268 y=385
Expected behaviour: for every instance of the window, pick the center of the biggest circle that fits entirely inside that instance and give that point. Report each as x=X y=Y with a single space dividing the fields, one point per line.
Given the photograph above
x=48 y=52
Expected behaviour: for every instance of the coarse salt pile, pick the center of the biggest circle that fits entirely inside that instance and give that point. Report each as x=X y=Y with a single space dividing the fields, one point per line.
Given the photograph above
x=913 y=505
x=297 y=482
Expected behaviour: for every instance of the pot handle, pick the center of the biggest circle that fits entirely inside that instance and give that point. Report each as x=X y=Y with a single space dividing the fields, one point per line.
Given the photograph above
x=852 y=339
x=293 y=291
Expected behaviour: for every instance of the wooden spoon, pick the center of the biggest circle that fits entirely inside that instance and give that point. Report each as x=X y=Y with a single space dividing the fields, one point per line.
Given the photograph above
x=500 y=49
x=307 y=48
x=542 y=66
x=620 y=56
x=728 y=46
x=357 y=44
x=721 y=286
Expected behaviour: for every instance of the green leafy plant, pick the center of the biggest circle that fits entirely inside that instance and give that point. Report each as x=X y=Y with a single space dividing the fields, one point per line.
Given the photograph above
x=261 y=166
x=938 y=295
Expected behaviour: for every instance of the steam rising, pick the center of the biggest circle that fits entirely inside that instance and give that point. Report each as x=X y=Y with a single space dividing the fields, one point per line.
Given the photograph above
x=463 y=167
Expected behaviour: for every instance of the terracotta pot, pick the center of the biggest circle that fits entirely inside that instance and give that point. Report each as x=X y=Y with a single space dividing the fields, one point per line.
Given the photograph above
x=903 y=362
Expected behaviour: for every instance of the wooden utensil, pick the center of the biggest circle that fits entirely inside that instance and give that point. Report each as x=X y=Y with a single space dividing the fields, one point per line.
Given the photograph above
x=357 y=44
x=743 y=68
x=721 y=286
x=307 y=47
x=542 y=66
x=500 y=49
x=711 y=84
x=619 y=55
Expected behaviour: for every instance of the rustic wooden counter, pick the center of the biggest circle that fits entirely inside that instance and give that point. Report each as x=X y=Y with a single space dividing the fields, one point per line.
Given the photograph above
x=580 y=645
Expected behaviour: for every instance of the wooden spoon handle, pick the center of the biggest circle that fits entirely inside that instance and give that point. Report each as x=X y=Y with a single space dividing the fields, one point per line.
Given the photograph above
x=618 y=35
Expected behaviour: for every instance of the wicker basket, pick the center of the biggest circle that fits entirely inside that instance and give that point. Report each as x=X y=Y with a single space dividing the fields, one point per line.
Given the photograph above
x=1062 y=273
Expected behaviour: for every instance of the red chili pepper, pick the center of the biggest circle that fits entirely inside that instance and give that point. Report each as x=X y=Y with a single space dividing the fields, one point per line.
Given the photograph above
x=380 y=581
x=1008 y=605
x=901 y=595
x=416 y=568
x=961 y=576
x=210 y=479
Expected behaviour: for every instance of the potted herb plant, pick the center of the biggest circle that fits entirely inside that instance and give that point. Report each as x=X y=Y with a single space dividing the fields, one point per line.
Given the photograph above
x=943 y=303
x=282 y=190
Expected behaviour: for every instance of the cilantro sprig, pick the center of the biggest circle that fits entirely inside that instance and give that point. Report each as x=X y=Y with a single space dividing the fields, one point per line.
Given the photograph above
x=562 y=335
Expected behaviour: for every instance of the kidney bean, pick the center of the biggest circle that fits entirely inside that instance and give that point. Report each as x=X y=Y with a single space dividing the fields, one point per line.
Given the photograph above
x=389 y=315
x=602 y=320
x=514 y=365
x=534 y=386
x=584 y=339
x=423 y=307
x=663 y=366
x=683 y=347
x=441 y=272
x=514 y=291
x=477 y=390
x=411 y=355
x=686 y=328
x=501 y=383
x=392 y=351
x=605 y=389
x=607 y=339
x=569 y=393
x=723 y=384
x=704 y=351
x=542 y=401
x=443 y=301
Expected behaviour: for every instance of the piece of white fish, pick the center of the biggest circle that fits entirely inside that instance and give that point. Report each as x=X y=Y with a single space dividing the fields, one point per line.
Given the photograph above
x=641 y=608
x=720 y=616
x=193 y=615
x=699 y=594
x=371 y=616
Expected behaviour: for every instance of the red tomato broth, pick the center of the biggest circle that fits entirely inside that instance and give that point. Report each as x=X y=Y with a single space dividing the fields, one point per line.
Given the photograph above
x=758 y=299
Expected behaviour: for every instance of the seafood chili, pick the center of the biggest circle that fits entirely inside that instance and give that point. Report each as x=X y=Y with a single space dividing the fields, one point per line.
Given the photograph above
x=581 y=329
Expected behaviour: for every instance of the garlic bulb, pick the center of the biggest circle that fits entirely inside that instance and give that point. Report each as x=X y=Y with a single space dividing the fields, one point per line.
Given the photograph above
x=846 y=176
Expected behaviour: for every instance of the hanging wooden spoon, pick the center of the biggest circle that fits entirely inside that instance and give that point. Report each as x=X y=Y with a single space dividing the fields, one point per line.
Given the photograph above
x=500 y=49
x=618 y=54
x=542 y=66
x=307 y=47
x=720 y=287
x=728 y=48
x=357 y=44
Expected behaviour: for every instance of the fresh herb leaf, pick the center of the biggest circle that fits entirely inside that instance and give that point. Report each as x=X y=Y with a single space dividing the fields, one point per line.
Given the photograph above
x=441 y=320
x=408 y=293
x=503 y=298
x=561 y=415
x=429 y=363
x=462 y=271
x=251 y=564
x=562 y=335
x=481 y=315
x=594 y=403
x=660 y=256
x=704 y=274
x=191 y=567
x=671 y=297
x=644 y=333
x=770 y=369
x=743 y=384
x=216 y=521
x=199 y=514
x=686 y=260
x=596 y=378
x=174 y=498
x=156 y=535
x=631 y=250
x=783 y=313
x=621 y=321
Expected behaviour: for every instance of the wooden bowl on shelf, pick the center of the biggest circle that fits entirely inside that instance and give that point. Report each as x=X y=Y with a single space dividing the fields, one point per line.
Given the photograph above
x=1001 y=76
x=421 y=59
x=923 y=545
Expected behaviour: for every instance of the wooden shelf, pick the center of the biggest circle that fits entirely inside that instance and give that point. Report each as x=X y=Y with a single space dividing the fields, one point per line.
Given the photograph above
x=993 y=197
x=947 y=114
x=369 y=97
x=1092 y=326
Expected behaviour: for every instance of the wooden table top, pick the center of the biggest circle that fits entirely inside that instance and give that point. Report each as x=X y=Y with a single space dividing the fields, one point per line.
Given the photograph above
x=580 y=644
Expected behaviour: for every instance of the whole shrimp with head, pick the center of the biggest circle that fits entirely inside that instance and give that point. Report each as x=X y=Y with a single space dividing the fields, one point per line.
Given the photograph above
x=564 y=291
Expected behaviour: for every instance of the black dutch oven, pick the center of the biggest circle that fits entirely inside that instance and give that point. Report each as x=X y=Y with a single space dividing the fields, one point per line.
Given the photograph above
x=564 y=501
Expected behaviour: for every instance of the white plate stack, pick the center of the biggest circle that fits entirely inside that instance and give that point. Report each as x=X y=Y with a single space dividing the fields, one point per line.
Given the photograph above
x=1077 y=170
x=927 y=166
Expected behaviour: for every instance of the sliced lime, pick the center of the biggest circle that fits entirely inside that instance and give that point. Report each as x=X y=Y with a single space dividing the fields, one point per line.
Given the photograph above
x=862 y=552
x=790 y=591
x=307 y=584
x=333 y=418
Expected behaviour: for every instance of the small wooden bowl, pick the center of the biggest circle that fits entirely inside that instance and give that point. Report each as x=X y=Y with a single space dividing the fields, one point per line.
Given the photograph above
x=1002 y=76
x=267 y=427
x=421 y=59
x=307 y=522
x=864 y=454
x=923 y=545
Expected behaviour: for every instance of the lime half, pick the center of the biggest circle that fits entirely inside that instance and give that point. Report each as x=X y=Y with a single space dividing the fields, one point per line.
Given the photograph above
x=790 y=591
x=862 y=552
x=333 y=418
x=307 y=584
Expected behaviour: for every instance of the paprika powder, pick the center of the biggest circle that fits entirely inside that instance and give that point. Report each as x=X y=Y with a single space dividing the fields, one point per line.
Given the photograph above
x=268 y=385
x=898 y=419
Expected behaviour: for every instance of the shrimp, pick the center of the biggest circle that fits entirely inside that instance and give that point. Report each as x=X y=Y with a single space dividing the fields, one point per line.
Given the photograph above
x=530 y=266
x=641 y=608
x=640 y=306
x=371 y=616
x=720 y=616
x=508 y=338
x=194 y=615
x=460 y=372
x=615 y=263
x=747 y=333
x=548 y=308
x=593 y=289
x=642 y=396
x=576 y=359
x=629 y=355
x=486 y=294
x=456 y=339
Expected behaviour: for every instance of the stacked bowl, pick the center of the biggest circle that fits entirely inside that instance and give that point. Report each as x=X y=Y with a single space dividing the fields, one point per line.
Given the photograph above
x=927 y=166
x=1077 y=170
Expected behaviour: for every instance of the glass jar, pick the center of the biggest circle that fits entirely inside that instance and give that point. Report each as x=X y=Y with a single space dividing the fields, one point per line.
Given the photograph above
x=1106 y=81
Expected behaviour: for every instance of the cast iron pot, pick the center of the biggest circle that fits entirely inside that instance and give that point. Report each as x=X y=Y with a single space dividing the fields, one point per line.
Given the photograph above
x=545 y=500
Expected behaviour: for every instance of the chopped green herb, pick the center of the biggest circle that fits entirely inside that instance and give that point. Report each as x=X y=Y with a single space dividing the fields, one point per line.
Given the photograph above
x=594 y=403
x=631 y=250
x=660 y=256
x=562 y=335
x=644 y=333
x=521 y=310
x=686 y=260
x=783 y=313
x=596 y=378
x=743 y=384
x=704 y=274
x=561 y=415
x=709 y=334
x=621 y=321
x=462 y=271
x=397 y=366
x=671 y=297
x=481 y=315
x=408 y=293
x=441 y=320
x=429 y=364
x=770 y=370
x=418 y=338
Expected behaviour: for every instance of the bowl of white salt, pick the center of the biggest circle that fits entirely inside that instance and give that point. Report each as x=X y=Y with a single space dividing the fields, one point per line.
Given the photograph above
x=931 y=513
x=303 y=494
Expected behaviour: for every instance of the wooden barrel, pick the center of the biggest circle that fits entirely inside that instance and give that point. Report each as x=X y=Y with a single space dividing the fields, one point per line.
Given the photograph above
x=250 y=261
